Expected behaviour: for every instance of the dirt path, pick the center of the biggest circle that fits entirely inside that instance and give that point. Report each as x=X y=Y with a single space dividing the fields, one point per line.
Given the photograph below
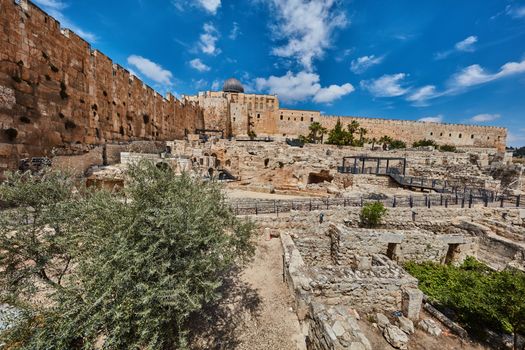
x=276 y=326
x=256 y=311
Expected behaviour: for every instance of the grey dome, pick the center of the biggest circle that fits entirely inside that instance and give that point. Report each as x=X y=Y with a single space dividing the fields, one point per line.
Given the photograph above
x=233 y=85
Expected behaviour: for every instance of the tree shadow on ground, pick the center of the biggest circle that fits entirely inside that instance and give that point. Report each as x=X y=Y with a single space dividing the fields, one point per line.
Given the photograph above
x=216 y=327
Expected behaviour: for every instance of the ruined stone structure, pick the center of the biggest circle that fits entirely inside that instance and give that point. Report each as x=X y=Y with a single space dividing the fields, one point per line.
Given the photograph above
x=238 y=114
x=56 y=91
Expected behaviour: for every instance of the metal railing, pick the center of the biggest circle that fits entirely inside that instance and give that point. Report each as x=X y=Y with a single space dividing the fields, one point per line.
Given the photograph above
x=457 y=200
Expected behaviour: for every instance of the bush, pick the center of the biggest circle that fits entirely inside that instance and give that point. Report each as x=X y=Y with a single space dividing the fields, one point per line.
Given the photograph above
x=447 y=148
x=479 y=296
x=371 y=214
x=397 y=144
x=251 y=134
x=126 y=272
x=424 y=143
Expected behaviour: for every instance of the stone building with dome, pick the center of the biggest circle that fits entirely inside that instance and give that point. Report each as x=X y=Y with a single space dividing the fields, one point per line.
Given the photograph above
x=235 y=113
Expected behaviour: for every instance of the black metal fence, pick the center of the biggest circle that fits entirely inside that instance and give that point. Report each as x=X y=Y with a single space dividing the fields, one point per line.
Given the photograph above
x=459 y=200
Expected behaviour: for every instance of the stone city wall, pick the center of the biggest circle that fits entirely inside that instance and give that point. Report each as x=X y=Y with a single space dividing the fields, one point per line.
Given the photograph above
x=269 y=120
x=56 y=91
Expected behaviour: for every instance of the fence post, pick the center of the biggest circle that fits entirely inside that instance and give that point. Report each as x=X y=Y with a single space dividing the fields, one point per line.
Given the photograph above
x=361 y=201
x=310 y=205
x=394 y=203
x=327 y=203
x=274 y=206
x=518 y=200
x=237 y=209
x=256 y=209
x=441 y=200
x=411 y=201
x=456 y=197
x=426 y=201
x=446 y=202
x=463 y=202
x=486 y=198
x=502 y=201
x=470 y=201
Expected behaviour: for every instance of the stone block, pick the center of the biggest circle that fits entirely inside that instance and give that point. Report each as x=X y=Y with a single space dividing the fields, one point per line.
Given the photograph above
x=411 y=300
x=396 y=337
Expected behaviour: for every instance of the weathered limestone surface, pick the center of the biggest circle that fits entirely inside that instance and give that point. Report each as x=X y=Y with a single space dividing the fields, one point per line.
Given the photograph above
x=262 y=115
x=56 y=91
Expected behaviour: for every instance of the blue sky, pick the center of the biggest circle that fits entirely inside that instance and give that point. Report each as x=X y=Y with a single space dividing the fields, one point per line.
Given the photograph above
x=455 y=61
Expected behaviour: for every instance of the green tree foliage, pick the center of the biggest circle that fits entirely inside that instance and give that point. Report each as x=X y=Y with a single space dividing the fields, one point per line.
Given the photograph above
x=480 y=297
x=140 y=265
x=391 y=143
x=371 y=214
x=447 y=148
x=339 y=136
x=520 y=152
x=316 y=135
x=424 y=143
x=252 y=135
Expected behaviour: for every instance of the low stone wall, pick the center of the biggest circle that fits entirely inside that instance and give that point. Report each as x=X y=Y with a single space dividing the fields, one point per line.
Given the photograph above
x=374 y=287
x=334 y=328
x=405 y=245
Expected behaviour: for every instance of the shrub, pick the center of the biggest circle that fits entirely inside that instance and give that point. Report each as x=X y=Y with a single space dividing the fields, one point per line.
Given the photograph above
x=424 y=143
x=251 y=134
x=479 y=296
x=137 y=266
x=447 y=148
x=371 y=214
x=397 y=144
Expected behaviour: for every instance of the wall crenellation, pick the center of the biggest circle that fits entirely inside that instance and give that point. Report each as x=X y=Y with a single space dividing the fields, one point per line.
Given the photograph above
x=56 y=91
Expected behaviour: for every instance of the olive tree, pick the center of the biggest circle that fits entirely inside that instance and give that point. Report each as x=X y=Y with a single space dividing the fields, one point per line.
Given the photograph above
x=142 y=264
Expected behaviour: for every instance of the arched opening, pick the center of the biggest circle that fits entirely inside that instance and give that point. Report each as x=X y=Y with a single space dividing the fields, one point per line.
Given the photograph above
x=320 y=177
x=228 y=162
x=266 y=162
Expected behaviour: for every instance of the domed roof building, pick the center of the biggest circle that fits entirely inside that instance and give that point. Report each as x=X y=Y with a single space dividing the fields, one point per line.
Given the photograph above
x=233 y=85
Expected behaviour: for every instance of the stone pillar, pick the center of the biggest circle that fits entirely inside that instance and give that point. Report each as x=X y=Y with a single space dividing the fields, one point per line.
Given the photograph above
x=411 y=300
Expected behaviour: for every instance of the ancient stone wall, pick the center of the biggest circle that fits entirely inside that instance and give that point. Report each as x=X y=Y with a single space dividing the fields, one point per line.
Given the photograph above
x=56 y=91
x=270 y=120
x=405 y=245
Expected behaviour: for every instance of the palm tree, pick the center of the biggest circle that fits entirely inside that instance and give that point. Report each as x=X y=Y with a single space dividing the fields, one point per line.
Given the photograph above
x=362 y=133
x=373 y=140
x=315 y=128
x=323 y=132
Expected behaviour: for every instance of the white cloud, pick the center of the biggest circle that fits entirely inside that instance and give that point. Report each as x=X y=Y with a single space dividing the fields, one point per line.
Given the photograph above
x=434 y=119
x=481 y=118
x=302 y=86
x=54 y=8
x=386 y=86
x=210 y=5
x=151 y=70
x=468 y=77
x=361 y=64
x=208 y=40
x=333 y=92
x=467 y=44
x=422 y=94
x=515 y=11
x=476 y=75
x=215 y=85
x=307 y=28
x=516 y=138
x=235 y=31
x=198 y=65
